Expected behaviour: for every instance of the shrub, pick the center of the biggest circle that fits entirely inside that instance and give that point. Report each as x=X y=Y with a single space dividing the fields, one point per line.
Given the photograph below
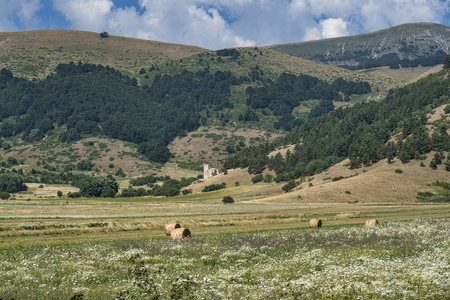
x=258 y=178
x=398 y=171
x=289 y=186
x=12 y=161
x=4 y=195
x=268 y=178
x=337 y=178
x=186 y=192
x=59 y=193
x=214 y=187
x=74 y=195
x=228 y=200
x=85 y=165
x=424 y=195
x=120 y=173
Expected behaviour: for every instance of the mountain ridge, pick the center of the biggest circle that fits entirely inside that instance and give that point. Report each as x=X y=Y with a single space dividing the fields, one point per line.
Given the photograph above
x=411 y=43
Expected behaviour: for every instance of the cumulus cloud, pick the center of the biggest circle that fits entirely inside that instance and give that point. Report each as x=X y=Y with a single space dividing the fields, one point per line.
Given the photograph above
x=333 y=28
x=19 y=14
x=215 y=24
x=85 y=14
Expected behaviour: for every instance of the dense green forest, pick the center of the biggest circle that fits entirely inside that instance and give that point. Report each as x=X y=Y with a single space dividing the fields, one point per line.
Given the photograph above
x=289 y=91
x=362 y=133
x=92 y=99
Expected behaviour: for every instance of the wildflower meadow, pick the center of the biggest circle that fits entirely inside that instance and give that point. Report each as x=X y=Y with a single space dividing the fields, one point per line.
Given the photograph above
x=395 y=260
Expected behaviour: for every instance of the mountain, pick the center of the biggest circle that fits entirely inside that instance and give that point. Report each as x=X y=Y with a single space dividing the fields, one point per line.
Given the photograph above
x=407 y=45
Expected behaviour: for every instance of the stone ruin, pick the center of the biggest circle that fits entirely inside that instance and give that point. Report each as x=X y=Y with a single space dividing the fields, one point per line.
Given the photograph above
x=209 y=172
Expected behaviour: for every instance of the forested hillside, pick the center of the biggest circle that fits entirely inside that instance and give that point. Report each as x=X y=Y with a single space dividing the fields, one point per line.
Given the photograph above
x=90 y=100
x=82 y=100
x=364 y=133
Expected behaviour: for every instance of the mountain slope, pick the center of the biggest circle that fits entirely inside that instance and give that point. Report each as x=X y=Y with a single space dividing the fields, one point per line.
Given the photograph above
x=407 y=44
x=37 y=53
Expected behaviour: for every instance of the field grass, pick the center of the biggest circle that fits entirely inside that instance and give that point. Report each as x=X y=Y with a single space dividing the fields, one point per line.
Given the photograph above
x=407 y=260
x=49 y=221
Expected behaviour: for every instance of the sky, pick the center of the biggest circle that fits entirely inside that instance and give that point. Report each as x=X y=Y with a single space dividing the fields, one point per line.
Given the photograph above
x=215 y=24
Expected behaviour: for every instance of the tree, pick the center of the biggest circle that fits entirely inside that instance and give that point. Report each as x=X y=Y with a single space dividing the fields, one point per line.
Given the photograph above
x=155 y=151
x=98 y=186
x=85 y=165
x=104 y=34
x=228 y=200
x=12 y=183
x=447 y=164
x=447 y=62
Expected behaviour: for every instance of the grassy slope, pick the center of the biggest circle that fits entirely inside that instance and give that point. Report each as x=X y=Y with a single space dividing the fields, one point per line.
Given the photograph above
x=403 y=74
x=37 y=53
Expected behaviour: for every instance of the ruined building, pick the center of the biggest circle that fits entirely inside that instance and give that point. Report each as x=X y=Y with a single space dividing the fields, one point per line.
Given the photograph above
x=209 y=172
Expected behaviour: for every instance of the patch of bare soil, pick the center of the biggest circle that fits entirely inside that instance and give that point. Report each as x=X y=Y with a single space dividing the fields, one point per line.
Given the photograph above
x=438 y=114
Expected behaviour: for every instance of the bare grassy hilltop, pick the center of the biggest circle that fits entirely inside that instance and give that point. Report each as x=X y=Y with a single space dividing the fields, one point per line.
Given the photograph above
x=37 y=53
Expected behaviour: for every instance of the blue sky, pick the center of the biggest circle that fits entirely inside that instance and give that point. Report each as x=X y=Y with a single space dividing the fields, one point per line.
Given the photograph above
x=216 y=24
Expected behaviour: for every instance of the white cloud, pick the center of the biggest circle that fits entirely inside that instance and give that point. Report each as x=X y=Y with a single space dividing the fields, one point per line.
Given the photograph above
x=218 y=24
x=18 y=14
x=85 y=14
x=184 y=22
x=333 y=28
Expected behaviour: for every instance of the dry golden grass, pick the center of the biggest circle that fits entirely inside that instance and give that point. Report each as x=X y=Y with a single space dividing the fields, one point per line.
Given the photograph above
x=378 y=183
x=403 y=74
x=438 y=114
x=46 y=191
x=37 y=53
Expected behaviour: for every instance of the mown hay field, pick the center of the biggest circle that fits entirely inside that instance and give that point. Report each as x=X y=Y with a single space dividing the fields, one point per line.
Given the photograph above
x=395 y=260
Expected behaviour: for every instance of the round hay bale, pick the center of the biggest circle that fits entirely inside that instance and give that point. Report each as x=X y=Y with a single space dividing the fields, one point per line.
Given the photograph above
x=171 y=226
x=180 y=233
x=315 y=223
x=371 y=223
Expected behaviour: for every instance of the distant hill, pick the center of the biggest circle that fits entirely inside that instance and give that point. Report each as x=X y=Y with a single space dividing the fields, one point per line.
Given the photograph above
x=407 y=45
x=37 y=53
